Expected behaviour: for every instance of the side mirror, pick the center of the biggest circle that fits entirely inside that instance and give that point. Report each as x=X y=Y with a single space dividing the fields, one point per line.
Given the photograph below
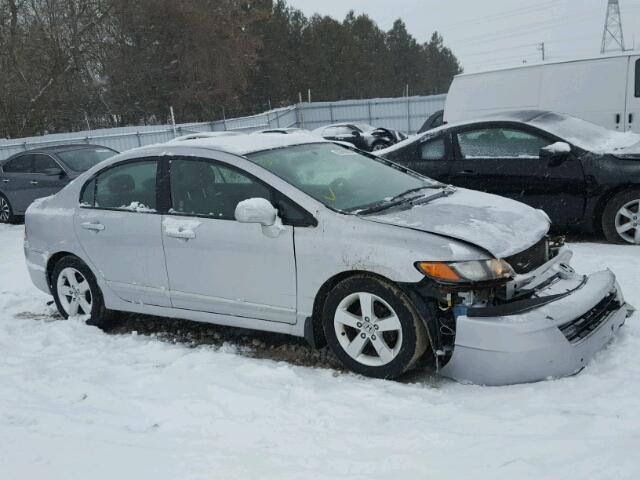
x=256 y=210
x=556 y=153
x=355 y=133
x=54 y=172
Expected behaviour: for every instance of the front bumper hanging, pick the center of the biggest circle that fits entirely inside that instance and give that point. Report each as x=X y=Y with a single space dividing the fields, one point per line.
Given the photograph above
x=555 y=339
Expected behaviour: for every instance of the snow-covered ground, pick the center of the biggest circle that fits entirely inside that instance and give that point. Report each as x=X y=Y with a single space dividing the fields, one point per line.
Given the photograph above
x=76 y=403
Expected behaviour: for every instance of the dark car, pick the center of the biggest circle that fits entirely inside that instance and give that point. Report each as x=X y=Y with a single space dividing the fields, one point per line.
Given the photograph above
x=583 y=176
x=362 y=136
x=434 y=120
x=41 y=172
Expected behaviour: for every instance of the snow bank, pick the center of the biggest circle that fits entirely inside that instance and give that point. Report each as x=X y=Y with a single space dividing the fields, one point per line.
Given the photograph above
x=78 y=403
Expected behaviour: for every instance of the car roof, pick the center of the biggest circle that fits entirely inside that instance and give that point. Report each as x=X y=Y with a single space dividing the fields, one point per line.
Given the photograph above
x=521 y=116
x=62 y=148
x=53 y=149
x=246 y=144
x=197 y=135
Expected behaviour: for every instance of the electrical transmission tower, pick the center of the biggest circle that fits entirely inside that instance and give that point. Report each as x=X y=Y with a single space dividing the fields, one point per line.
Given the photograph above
x=612 y=37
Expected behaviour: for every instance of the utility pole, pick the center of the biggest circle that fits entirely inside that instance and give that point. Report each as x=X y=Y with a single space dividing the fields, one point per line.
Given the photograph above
x=541 y=50
x=612 y=37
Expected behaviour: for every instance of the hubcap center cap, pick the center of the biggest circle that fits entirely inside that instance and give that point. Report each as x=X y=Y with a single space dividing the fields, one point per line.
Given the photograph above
x=368 y=328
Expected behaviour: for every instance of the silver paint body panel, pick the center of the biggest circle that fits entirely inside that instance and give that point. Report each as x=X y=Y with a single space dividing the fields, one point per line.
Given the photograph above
x=236 y=274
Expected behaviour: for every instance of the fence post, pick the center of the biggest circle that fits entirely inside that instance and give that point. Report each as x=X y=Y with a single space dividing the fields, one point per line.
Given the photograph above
x=139 y=139
x=369 y=108
x=408 y=114
x=331 y=112
x=300 y=114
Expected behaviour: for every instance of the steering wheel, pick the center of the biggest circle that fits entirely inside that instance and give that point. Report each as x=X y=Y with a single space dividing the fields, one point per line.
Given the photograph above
x=338 y=183
x=335 y=186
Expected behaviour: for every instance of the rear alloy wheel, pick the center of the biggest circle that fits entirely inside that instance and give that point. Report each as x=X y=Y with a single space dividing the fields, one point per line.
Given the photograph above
x=373 y=328
x=6 y=212
x=77 y=294
x=621 y=218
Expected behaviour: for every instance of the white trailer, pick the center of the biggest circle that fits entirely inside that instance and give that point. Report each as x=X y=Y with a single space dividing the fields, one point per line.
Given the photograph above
x=603 y=90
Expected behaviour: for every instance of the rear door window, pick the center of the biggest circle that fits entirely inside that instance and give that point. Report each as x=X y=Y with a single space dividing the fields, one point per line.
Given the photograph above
x=21 y=164
x=130 y=186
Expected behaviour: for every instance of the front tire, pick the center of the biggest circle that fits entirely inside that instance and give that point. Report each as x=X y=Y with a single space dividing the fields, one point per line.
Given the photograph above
x=621 y=218
x=77 y=294
x=6 y=212
x=373 y=328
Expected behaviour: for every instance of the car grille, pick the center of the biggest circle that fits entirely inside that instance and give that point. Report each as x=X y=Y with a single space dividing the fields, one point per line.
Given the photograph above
x=581 y=327
x=531 y=258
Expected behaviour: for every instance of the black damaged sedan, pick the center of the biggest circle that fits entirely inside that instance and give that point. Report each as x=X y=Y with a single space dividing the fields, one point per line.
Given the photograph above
x=361 y=135
x=583 y=176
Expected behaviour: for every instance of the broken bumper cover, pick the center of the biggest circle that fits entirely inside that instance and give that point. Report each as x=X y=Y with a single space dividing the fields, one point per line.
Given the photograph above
x=554 y=340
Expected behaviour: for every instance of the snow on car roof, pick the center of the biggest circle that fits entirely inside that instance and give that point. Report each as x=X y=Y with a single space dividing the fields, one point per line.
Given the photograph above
x=245 y=144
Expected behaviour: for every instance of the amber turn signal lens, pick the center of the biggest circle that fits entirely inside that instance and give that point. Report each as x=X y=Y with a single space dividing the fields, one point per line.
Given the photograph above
x=438 y=270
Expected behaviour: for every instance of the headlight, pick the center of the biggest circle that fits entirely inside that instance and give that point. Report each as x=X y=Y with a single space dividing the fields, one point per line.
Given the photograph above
x=473 y=271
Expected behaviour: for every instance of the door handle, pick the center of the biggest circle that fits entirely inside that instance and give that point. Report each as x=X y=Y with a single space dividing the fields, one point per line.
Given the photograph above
x=466 y=172
x=96 y=227
x=33 y=182
x=185 y=234
x=5 y=180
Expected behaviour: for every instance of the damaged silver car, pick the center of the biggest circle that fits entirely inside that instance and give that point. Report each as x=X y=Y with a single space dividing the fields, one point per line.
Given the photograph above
x=294 y=234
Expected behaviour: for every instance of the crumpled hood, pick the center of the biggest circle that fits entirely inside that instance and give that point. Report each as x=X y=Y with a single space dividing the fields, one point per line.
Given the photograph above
x=500 y=226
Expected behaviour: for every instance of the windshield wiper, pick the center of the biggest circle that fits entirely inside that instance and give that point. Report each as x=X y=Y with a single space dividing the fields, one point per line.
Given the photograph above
x=400 y=199
x=414 y=190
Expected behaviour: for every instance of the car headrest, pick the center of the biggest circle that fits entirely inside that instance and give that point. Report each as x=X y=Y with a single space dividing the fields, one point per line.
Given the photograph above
x=122 y=183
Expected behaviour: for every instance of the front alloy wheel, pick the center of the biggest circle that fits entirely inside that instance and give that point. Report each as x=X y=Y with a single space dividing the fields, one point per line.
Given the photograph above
x=621 y=218
x=628 y=221
x=373 y=327
x=368 y=329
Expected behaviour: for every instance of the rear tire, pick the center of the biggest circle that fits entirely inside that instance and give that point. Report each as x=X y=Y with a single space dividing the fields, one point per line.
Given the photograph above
x=6 y=212
x=76 y=293
x=621 y=218
x=373 y=328
x=379 y=146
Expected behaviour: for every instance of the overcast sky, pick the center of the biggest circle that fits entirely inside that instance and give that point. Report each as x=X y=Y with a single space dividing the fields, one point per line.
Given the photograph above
x=496 y=33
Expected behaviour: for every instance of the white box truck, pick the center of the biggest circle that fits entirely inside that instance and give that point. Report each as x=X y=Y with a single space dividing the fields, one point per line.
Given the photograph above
x=603 y=90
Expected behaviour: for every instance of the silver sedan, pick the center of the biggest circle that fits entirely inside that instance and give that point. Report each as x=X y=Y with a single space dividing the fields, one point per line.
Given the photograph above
x=294 y=234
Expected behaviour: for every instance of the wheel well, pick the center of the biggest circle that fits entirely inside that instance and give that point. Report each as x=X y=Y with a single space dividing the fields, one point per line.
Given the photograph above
x=604 y=199
x=315 y=334
x=51 y=263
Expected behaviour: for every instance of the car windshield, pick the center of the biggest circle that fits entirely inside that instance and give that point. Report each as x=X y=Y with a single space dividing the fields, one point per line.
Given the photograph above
x=584 y=134
x=338 y=177
x=82 y=159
